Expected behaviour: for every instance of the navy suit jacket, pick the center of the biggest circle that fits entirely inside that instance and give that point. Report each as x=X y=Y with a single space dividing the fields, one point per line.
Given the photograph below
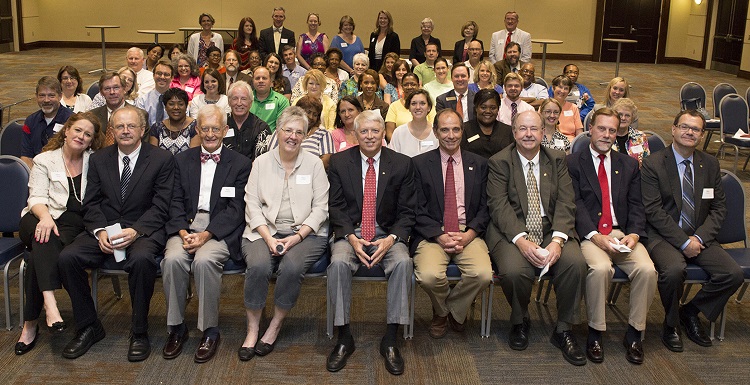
x=431 y=195
x=625 y=190
x=266 y=43
x=449 y=100
x=149 y=192
x=662 y=198
x=396 y=197
x=227 y=213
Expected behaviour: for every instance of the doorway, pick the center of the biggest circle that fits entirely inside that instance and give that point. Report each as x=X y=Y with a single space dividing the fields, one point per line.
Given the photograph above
x=729 y=35
x=6 y=26
x=634 y=20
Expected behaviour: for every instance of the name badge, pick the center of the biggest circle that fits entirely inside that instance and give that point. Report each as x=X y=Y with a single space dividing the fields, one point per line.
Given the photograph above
x=473 y=138
x=568 y=113
x=342 y=146
x=230 y=133
x=190 y=90
x=270 y=106
x=450 y=98
x=284 y=41
x=227 y=192
x=57 y=127
x=344 y=45
x=58 y=176
x=426 y=143
x=372 y=40
x=559 y=143
x=637 y=149
x=303 y=179
x=708 y=193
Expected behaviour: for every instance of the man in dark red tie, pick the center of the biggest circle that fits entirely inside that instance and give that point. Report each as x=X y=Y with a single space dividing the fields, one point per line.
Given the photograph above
x=451 y=217
x=372 y=205
x=511 y=33
x=609 y=215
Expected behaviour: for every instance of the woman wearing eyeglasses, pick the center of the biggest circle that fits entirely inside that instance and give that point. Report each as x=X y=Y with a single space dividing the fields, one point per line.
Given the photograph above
x=629 y=140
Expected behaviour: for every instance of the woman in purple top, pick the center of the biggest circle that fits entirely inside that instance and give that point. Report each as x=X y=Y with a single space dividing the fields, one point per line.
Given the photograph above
x=312 y=41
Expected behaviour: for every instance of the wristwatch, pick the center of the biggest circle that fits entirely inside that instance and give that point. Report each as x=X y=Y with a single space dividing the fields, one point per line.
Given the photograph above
x=559 y=242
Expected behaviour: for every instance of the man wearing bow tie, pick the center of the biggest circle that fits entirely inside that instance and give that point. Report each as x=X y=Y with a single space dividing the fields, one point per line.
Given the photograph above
x=205 y=226
x=273 y=38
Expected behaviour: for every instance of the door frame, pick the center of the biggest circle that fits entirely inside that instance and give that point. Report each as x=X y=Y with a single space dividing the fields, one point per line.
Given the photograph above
x=661 y=42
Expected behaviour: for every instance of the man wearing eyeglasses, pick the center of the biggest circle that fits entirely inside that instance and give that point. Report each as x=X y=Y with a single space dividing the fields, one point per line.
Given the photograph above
x=685 y=208
x=151 y=101
x=204 y=229
x=127 y=202
x=112 y=88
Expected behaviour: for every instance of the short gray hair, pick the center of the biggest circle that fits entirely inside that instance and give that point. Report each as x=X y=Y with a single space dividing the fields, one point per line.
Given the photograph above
x=239 y=84
x=361 y=57
x=211 y=110
x=369 y=116
x=292 y=114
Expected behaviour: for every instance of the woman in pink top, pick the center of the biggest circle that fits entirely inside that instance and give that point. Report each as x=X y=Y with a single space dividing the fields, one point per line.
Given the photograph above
x=311 y=42
x=570 y=121
x=187 y=77
x=343 y=136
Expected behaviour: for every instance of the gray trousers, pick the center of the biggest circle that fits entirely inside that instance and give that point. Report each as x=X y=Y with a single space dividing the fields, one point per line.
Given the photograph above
x=290 y=268
x=398 y=269
x=207 y=265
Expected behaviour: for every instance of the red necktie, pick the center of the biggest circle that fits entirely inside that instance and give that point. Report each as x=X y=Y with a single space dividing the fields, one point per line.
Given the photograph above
x=507 y=41
x=605 y=222
x=460 y=110
x=450 y=214
x=368 y=202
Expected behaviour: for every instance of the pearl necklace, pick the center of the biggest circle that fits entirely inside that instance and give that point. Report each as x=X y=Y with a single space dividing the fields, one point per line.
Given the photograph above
x=75 y=193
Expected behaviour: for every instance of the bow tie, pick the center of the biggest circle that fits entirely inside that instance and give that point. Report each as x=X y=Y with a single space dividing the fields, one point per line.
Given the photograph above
x=278 y=29
x=206 y=156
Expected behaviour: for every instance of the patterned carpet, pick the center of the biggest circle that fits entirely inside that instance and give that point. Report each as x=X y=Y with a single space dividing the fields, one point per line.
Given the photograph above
x=301 y=351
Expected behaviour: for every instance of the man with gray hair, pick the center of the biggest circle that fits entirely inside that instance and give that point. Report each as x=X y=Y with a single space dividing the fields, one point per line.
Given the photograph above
x=204 y=230
x=40 y=126
x=372 y=205
x=145 y=77
x=273 y=38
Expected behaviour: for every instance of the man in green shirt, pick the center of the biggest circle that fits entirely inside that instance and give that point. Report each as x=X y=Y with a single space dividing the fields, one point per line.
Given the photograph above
x=267 y=103
x=426 y=71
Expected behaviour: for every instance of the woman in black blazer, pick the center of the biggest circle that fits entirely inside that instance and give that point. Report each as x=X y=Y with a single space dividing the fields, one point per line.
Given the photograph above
x=469 y=31
x=383 y=32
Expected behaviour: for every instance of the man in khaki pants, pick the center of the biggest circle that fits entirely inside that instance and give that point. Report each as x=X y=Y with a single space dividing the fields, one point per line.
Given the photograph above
x=452 y=215
x=610 y=215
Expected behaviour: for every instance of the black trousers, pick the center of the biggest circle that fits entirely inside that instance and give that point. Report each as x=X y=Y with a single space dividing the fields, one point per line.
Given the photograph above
x=725 y=277
x=140 y=265
x=42 y=273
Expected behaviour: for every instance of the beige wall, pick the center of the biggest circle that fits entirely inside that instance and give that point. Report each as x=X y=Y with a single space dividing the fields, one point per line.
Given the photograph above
x=686 y=30
x=55 y=20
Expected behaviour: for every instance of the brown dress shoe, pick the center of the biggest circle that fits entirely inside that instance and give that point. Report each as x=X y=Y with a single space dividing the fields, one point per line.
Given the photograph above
x=455 y=325
x=439 y=326
x=206 y=349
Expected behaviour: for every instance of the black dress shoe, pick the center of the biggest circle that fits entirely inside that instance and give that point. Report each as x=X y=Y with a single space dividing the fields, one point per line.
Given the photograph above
x=207 y=349
x=262 y=348
x=173 y=346
x=341 y=352
x=57 y=327
x=21 y=348
x=246 y=354
x=83 y=340
x=140 y=347
x=566 y=342
x=457 y=327
x=394 y=364
x=633 y=351
x=595 y=352
x=670 y=337
x=694 y=328
x=518 y=338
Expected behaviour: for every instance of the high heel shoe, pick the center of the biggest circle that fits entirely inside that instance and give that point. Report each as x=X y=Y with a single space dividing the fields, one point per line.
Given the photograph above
x=57 y=327
x=22 y=348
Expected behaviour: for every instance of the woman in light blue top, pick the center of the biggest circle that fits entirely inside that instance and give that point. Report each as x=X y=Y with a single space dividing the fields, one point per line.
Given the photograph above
x=348 y=43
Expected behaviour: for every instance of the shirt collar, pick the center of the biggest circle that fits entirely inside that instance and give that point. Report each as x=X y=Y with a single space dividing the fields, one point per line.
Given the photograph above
x=132 y=155
x=444 y=156
x=376 y=157
x=679 y=158
x=525 y=162
x=218 y=151
x=595 y=154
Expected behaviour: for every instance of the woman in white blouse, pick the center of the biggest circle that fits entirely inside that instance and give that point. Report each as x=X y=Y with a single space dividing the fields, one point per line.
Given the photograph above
x=415 y=137
x=53 y=218
x=213 y=86
x=286 y=212
x=73 y=96
x=200 y=41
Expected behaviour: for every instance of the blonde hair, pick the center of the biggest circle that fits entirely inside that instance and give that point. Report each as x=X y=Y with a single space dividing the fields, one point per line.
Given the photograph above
x=490 y=67
x=611 y=84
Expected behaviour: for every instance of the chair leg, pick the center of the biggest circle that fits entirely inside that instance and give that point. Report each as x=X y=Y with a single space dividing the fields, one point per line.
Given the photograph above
x=617 y=293
x=722 y=323
x=488 y=317
x=707 y=140
x=484 y=309
x=409 y=329
x=741 y=293
x=21 y=292
x=116 y=286
x=6 y=287
x=746 y=160
x=685 y=293
x=546 y=293
x=539 y=290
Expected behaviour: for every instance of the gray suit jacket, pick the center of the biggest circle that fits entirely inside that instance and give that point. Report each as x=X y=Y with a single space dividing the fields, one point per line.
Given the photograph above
x=507 y=194
x=662 y=198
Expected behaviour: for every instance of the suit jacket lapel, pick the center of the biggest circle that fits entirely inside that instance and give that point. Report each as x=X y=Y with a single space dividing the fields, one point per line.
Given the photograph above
x=698 y=181
x=469 y=174
x=587 y=168
x=617 y=186
x=220 y=176
x=436 y=173
x=355 y=175
x=383 y=177
x=674 y=177
x=545 y=191
x=113 y=171
x=520 y=181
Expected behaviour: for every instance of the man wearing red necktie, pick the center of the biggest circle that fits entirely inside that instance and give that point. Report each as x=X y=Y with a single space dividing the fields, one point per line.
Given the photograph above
x=452 y=215
x=372 y=202
x=609 y=215
x=511 y=33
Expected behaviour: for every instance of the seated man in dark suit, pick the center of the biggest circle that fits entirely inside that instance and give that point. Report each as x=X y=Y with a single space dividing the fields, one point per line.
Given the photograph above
x=371 y=207
x=232 y=64
x=129 y=184
x=40 y=126
x=452 y=215
x=205 y=226
x=685 y=207
x=274 y=37
x=609 y=212
x=112 y=88
x=532 y=210
x=460 y=92
x=511 y=63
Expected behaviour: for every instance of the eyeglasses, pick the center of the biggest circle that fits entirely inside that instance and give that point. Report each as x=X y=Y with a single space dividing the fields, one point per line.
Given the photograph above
x=130 y=127
x=685 y=128
x=551 y=112
x=214 y=130
x=68 y=78
x=290 y=132
x=111 y=89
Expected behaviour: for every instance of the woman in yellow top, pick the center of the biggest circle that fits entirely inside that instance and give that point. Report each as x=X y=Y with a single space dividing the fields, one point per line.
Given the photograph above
x=398 y=113
x=312 y=84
